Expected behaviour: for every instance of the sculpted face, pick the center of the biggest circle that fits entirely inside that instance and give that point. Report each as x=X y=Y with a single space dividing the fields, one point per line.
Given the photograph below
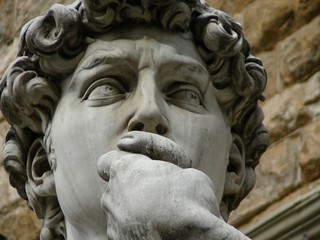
x=129 y=81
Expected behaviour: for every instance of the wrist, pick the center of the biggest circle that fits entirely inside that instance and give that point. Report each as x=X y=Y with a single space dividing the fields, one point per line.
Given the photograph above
x=213 y=227
x=222 y=230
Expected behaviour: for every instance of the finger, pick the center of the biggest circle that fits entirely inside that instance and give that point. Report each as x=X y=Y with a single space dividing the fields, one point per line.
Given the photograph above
x=105 y=162
x=155 y=147
x=203 y=186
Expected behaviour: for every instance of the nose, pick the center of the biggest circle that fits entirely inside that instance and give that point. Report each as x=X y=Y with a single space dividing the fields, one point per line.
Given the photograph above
x=149 y=115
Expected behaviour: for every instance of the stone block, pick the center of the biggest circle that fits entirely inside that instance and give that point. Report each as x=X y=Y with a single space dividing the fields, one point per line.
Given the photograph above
x=309 y=152
x=230 y=6
x=285 y=112
x=312 y=90
x=292 y=108
x=267 y=22
x=263 y=19
x=287 y=165
x=270 y=62
x=305 y=10
x=300 y=53
x=277 y=174
x=312 y=96
x=19 y=224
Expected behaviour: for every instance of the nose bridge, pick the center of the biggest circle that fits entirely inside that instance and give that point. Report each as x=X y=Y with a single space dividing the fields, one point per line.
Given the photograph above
x=149 y=99
x=149 y=115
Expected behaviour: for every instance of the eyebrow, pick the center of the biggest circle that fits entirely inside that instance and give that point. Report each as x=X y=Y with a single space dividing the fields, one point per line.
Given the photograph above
x=111 y=57
x=189 y=65
x=100 y=58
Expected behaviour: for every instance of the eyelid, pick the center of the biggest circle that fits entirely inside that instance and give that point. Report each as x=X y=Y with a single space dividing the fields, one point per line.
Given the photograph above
x=84 y=78
x=184 y=86
x=100 y=82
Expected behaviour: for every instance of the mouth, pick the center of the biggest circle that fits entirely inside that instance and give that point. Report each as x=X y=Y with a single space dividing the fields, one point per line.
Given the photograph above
x=155 y=147
x=128 y=136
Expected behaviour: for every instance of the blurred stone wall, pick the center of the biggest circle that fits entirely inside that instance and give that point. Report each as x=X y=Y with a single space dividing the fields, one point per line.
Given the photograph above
x=285 y=35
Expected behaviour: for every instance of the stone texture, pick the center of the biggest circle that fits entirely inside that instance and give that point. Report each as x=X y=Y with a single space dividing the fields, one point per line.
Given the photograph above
x=8 y=194
x=19 y=223
x=7 y=17
x=312 y=96
x=8 y=54
x=283 y=203
x=312 y=90
x=14 y=14
x=296 y=106
x=292 y=162
x=309 y=152
x=230 y=6
x=267 y=22
x=278 y=174
x=270 y=63
x=300 y=53
x=285 y=112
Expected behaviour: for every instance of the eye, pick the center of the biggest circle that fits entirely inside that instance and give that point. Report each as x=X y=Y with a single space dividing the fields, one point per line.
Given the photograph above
x=186 y=95
x=104 y=92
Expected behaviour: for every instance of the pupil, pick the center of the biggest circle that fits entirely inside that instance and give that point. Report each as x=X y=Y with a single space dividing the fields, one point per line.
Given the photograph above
x=193 y=97
x=107 y=90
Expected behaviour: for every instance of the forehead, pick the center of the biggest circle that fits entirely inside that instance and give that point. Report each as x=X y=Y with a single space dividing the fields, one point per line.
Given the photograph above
x=127 y=51
x=131 y=42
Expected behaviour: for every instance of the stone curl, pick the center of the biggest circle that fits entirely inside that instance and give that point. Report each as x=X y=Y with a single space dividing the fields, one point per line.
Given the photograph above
x=99 y=16
x=59 y=31
x=52 y=45
x=28 y=100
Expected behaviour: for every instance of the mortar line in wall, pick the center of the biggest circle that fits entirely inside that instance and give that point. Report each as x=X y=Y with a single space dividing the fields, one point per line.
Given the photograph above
x=295 y=132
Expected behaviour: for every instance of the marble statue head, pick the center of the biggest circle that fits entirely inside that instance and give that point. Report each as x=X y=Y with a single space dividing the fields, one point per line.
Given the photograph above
x=92 y=76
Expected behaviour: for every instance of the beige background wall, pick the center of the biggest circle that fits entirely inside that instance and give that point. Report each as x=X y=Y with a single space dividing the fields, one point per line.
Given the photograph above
x=285 y=35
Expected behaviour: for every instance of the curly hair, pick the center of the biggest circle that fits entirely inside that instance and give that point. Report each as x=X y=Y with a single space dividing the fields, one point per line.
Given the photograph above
x=52 y=45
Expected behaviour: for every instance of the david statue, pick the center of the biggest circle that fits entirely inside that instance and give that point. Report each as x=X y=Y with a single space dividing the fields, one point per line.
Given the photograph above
x=134 y=120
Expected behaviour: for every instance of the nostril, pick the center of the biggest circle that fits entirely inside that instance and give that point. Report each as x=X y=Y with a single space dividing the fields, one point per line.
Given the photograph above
x=161 y=129
x=137 y=126
x=149 y=126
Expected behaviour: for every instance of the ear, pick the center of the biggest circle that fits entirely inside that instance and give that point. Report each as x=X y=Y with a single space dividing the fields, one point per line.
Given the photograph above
x=40 y=184
x=41 y=192
x=235 y=175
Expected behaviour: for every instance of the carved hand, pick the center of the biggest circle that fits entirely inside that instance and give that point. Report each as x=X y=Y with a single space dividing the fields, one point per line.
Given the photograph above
x=157 y=199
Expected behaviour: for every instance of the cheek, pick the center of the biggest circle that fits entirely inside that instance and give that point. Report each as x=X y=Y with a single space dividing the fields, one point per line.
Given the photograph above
x=79 y=187
x=104 y=127
x=201 y=135
x=206 y=138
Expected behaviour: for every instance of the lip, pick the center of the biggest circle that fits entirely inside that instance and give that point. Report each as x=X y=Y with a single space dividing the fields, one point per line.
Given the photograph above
x=156 y=147
x=128 y=136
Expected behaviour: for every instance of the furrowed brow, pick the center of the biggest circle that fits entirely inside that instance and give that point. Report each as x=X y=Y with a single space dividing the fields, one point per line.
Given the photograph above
x=103 y=58
x=188 y=67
